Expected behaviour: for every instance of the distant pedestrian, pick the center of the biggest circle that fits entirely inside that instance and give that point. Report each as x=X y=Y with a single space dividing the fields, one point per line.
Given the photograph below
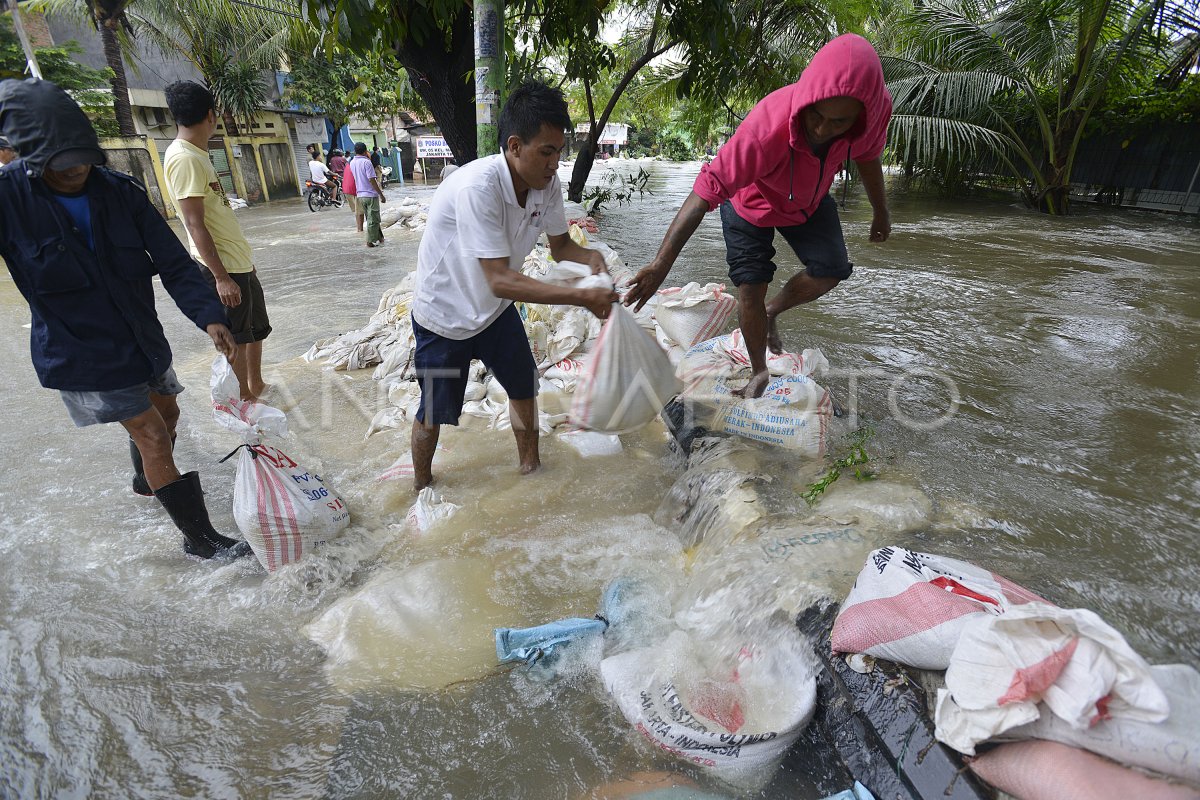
x=213 y=231
x=7 y=152
x=83 y=244
x=370 y=194
x=377 y=163
x=349 y=192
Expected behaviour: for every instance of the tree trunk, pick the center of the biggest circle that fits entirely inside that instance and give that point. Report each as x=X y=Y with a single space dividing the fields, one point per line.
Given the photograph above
x=581 y=170
x=231 y=126
x=120 y=86
x=439 y=73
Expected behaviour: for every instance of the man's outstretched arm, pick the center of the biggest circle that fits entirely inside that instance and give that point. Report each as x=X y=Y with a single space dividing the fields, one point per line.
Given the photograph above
x=647 y=281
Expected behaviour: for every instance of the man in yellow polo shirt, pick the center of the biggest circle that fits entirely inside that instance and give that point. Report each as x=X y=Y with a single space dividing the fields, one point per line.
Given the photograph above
x=214 y=234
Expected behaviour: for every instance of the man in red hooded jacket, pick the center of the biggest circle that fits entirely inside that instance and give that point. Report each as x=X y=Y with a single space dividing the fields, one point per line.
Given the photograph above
x=774 y=174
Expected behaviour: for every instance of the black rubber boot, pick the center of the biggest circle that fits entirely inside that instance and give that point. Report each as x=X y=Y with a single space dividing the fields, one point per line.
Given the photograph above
x=140 y=486
x=184 y=501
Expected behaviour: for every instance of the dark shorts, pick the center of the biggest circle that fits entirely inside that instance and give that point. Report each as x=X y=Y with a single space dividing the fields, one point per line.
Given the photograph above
x=118 y=405
x=442 y=366
x=818 y=243
x=248 y=320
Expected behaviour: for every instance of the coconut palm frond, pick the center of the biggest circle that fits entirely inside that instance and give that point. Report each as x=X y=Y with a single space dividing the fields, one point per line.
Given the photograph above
x=924 y=139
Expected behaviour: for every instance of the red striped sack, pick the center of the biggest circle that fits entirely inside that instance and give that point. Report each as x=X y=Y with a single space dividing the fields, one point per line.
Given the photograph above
x=282 y=509
x=911 y=607
x=693 y=313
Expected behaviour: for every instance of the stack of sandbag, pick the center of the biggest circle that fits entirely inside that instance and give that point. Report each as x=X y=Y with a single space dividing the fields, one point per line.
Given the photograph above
x=409 y=212
x=561 y=339
x=283 y=509
x=792 y=413
x=1019 y=667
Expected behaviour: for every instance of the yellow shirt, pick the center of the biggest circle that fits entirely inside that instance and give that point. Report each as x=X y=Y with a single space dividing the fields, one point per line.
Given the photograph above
x=191 y=174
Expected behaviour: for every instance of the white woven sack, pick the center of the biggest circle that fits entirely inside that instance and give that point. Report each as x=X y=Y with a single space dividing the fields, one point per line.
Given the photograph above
x=741 y=741
x=911 y=607
x=693 y=313
x=1070 y=660
x=793 y=413
x=626 y=381
x=428 y=510
x=283 y=509
x=1170 y=747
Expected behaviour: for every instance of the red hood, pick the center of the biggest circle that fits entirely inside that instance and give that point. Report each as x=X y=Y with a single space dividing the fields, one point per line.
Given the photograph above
x=846 y=67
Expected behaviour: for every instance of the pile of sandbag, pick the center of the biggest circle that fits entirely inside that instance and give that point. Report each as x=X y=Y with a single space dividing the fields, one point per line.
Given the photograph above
x=1019 y=667
x=409 y=213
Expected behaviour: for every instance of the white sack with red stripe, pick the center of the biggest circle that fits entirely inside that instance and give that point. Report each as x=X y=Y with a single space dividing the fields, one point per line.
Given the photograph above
x=911 y=607
x=693 y=313
x=1069 y=660
x=626 y=380
x=283 y=509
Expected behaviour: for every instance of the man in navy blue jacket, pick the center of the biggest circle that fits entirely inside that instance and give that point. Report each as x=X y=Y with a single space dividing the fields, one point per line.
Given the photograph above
x=82 y=243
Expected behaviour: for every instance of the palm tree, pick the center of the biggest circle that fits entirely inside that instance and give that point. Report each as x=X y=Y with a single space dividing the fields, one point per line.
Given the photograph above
x=1016 y=80
x=229 y=44
x=108 y=17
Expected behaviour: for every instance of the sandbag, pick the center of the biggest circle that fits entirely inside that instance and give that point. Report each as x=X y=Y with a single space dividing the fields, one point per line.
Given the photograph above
x=428 y=510
x=1171 y=747
x=911 y=607
x=283 y=509
x=1068 y=660
x=1052 y=771
x=424 y=627
x=793 y=413
x=739 y=725
x=693 y=313
x=627 y=379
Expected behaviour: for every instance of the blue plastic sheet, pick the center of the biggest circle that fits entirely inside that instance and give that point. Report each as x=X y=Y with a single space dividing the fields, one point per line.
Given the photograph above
x=533 y=644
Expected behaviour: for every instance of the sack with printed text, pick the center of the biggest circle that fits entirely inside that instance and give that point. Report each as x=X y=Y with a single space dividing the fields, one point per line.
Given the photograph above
x=911 y=607
x=793 y=413
x=283 y=509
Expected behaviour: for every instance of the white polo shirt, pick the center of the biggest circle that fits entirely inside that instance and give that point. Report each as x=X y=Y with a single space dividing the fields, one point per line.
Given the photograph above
x=474 y=214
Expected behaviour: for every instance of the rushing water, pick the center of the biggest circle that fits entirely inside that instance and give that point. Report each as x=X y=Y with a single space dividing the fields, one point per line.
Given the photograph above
x=1068 y=464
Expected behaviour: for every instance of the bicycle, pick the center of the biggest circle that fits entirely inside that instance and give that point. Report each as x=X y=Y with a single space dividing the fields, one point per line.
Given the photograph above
x=319 y=196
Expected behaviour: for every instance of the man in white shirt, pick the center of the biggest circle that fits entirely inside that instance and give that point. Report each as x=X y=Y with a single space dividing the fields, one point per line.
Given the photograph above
x=483 y=221
x=321 y=175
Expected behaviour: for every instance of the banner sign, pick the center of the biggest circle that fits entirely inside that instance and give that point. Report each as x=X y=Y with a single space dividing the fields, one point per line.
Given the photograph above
x=433 y=147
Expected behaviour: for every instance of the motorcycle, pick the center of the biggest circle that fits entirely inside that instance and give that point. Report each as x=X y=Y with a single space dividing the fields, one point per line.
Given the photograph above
x=320 y=197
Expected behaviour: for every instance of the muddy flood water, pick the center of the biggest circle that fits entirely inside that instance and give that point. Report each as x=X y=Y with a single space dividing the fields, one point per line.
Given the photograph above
x=1034 y=378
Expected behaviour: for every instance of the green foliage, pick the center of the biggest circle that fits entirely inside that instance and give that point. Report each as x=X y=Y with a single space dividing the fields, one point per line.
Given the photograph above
x=89 y=87
x=1152 y=106
x=616 y=188
x=675 y=146
x=854 y=459
x=347 y=85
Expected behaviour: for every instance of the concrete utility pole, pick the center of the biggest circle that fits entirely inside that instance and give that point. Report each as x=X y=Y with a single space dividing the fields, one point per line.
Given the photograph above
x=489 y=74
x=34 y=69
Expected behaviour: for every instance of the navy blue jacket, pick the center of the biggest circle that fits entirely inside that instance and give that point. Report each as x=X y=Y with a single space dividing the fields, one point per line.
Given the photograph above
x=94 y=323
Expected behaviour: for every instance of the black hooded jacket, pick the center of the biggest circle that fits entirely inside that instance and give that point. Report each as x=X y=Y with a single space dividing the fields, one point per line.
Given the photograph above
x=94 y=323
x=42 y=121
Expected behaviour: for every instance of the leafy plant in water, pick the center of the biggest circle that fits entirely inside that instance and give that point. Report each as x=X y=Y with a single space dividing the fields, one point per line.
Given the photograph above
x=854 y=459
x=617 y=188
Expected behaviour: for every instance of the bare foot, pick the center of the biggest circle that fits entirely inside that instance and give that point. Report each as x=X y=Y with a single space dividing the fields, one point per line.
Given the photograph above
x=261 y=389
x=250 y=397
x=531 y=467
x=420 y=483
x=774 y=343
x=755 y=387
